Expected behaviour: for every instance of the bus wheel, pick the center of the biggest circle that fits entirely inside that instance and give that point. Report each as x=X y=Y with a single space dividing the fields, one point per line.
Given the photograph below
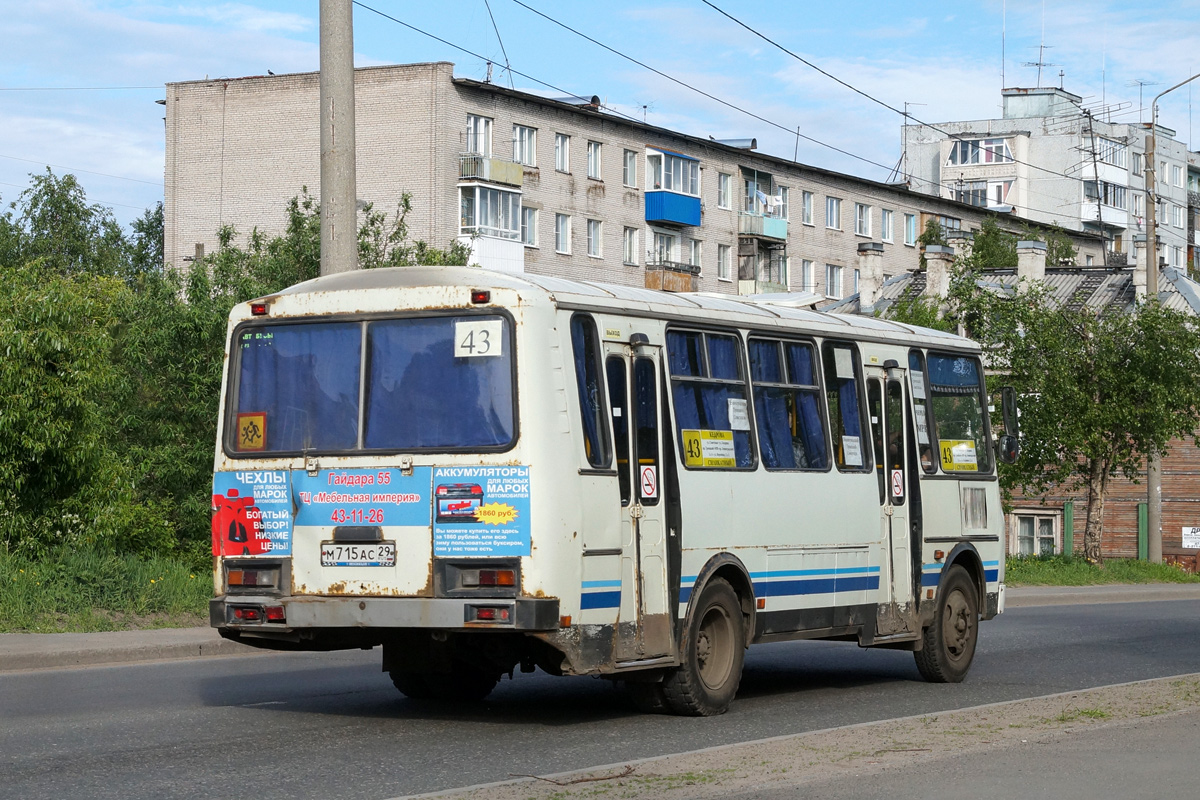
x=950 y=641
x=463 y=683
x=712 y=652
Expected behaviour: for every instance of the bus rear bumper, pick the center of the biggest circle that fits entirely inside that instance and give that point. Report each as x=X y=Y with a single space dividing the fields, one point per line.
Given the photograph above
x=261 y=614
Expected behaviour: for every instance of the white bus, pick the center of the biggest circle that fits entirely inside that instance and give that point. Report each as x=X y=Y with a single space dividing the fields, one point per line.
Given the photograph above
x=479 y=471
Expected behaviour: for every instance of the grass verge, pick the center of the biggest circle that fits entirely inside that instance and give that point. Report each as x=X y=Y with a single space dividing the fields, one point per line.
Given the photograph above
x=1066 y=571
x=83 y=589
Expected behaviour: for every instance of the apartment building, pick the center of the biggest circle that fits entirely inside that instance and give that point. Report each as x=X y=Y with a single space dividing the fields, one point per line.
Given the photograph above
x=1049 y=160
x=542 y=185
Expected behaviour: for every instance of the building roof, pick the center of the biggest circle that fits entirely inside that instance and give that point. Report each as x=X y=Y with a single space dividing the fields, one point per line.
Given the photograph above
x=1104 y=290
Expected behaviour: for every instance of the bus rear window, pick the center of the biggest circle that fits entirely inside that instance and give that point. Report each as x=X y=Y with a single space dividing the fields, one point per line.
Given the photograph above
x=440 y=383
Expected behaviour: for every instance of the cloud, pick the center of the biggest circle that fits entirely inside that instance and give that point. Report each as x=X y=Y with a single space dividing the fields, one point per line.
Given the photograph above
x=249 y=18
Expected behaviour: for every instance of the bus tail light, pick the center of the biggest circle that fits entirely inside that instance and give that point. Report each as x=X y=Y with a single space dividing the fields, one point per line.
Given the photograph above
x=472 y=578
x=246 y=613
x=489 y=614
x=258 y=309
x=479 y=296
x=275 y=614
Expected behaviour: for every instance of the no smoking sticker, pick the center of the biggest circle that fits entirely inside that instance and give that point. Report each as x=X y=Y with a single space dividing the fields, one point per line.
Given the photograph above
x=897 y=483
x=649 y=482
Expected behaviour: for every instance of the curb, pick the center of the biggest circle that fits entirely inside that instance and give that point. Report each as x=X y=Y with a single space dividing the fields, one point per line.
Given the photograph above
x=1027 y=596
x=29 y=651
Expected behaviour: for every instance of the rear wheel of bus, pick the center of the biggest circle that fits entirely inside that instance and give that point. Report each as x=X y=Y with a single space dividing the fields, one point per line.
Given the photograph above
x=712 y=652
x=949 y=644
x=461 y=683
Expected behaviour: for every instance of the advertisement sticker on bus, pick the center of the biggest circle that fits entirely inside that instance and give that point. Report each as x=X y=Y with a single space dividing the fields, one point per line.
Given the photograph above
x=335 y=497
x=252 y=513
x=958 y=455
x=481 y=511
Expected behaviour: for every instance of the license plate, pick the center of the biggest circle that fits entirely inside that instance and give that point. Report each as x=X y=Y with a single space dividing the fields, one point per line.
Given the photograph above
x=375 y=554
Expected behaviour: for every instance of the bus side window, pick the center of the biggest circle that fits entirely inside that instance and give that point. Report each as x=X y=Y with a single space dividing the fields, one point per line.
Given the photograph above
x=843 y=394
x=920 y=400
x=787 y=405
x=618 y=391
x=960 y=420
x=586 y=349
x=708 y=385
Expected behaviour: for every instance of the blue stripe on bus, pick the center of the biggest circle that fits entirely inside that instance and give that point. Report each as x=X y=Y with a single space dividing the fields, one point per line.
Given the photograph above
x=839 y=580
x=600 y=600
x=600 y=584
x=931 y=577
x=805 y=572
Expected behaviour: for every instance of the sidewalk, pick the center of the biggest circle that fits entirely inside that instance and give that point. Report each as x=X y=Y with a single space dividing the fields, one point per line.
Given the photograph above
x=23 y=651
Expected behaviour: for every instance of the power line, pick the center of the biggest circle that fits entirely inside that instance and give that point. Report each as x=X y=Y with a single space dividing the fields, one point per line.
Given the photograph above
x=504 y=52
x=905 y=114
x=712 y=97
x=88 y=171
x=480 y=57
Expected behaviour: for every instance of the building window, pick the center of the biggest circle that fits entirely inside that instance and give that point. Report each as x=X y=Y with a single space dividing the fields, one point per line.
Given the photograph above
x=694 y=253
x=1110 y=194
x=629 y=251
x=833 y=213
x=723 y=261
x=562 y=152
x=785 y=269
x=594 y=160
x=885 y=224
x=1139 y=205
x=808 y=278
x=806 y=208
x=980 y=151
x=833 y=281
x=664 y=248
x=529 y=226
x=479 y=135
x=971 y=192
x=594 y=230
x=862 y=219
x=1088 y=260
x=562 y=233
x=855 y=290
x=1176 y=256
x=525 y=145
x=1036 y=534
x=910 y=229
x=629 y=171
x=1177 y=175
x=1177 y=216
x=1137 y=163
x=1162 y=172
x=490 y=212
x=785 y=197
x=724 y=200
x=673 y=173
x=1110 y=152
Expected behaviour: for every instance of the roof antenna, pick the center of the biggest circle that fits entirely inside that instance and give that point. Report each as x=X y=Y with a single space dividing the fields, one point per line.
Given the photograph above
x=488 y=79
x=504 y=52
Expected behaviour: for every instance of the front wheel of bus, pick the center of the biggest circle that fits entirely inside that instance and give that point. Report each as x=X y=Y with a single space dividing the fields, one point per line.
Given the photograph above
x=712 y=652
x=950 y=641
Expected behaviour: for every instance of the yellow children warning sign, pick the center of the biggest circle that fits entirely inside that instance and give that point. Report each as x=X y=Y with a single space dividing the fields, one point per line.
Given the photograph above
x=958 y=455
x=252 y=431
x=708 y=448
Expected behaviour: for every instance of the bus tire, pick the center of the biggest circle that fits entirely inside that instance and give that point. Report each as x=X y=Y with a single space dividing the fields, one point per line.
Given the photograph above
x=463 y=683
x=712 y=652
x=949 y=643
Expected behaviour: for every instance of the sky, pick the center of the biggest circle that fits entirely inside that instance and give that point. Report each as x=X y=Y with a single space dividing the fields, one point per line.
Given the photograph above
x=78 y=78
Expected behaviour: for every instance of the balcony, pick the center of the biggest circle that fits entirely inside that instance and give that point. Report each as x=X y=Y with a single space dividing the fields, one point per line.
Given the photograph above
x=762 y=226
x=761 y=287
x=476 y=167
x=672 y=276
x=672 y=208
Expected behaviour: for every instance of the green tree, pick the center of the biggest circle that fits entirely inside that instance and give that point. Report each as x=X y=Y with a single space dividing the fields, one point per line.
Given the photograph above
x=1099 y=392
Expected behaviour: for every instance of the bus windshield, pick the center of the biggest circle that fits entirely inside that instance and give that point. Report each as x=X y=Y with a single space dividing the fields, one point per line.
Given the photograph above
x=427 y=383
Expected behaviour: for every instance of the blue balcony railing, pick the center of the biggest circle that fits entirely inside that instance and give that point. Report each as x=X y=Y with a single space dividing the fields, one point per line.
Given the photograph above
x=672 y=208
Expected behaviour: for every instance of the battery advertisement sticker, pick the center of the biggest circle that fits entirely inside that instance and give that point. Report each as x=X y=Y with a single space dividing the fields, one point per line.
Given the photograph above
x=481 y=511
x=252 y=513
x=362 y=497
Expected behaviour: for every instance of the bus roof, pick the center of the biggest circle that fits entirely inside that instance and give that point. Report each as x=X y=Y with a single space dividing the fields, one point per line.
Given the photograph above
x=748 y=312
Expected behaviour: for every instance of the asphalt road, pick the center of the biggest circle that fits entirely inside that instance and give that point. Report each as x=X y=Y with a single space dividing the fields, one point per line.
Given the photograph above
x=331 y=725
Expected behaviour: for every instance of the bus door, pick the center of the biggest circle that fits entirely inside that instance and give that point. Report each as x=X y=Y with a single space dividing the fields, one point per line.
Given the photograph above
x=644 y=628
x=885 y=400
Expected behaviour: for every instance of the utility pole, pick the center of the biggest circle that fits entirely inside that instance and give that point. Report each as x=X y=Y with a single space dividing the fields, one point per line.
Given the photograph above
x=339 y=214
x=1154 y=462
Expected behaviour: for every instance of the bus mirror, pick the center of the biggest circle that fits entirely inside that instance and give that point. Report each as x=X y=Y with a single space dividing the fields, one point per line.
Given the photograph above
x=1008 y=403
x=1010 y=449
